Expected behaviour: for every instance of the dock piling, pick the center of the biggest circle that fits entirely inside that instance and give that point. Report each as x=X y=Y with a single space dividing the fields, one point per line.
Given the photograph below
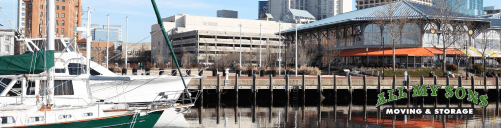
x=319 y=87
x=485 y=84
x=365 y=102
x=460 y=84
x=473 y=89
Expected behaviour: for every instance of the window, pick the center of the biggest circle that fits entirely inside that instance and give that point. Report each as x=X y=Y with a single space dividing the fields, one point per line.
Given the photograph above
x=7 y=48
x=62 y=22
x=62 y=15
x=7 y=120
x=65 y=116
x=60 y=70
x=40 y=22
x=41 y=6
x=57 y=30
x=57 y=15
x=66 y=87
x=57 y=7
x=36 y=119
x=63 y=0
x=29 y=13
x=57 y=22
x=23 y=14
x=63 y=7
x=41 y=13
x=29 y=5
x=29 y=21
x=62 y=30
x=87 y=114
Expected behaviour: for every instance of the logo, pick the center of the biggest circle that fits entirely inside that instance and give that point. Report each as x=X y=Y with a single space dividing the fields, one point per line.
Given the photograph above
x=421 y=91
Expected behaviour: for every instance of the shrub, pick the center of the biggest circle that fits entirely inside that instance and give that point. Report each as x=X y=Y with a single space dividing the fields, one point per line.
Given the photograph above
x=262 y=68
x=310 y=70
x=416 y=73
x=162 y=66
x=149 y=65
x=479 y=67
x=134 y=66
x=200 y=66
x=187 y=66
x=452 y=67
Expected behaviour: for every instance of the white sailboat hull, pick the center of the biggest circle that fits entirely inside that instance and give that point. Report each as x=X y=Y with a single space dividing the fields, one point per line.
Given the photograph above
x=139 y=89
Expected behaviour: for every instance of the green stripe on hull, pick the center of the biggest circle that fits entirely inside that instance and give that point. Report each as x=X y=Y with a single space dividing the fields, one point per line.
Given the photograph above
x=146 y=121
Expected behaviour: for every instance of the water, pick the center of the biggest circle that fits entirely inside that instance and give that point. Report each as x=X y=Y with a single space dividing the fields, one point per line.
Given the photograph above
x=328 y=112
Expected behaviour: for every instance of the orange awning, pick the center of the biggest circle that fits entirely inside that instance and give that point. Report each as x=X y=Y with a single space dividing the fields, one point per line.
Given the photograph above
x=449 y=51
x=387 y=52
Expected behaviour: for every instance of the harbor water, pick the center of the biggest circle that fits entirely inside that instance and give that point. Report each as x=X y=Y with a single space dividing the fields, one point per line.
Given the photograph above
x=331 y=110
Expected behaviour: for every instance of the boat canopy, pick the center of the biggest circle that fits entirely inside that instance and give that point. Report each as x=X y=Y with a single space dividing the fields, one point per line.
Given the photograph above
x=28 y=63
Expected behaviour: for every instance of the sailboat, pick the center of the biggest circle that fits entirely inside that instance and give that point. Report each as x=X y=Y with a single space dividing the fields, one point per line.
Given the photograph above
x=45 y=112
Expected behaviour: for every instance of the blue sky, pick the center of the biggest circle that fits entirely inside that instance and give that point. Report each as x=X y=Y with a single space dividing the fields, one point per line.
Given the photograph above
x=141 y=14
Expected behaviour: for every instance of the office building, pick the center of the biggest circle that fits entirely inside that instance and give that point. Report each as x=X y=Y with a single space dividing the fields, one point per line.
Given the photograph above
x=492 y=9
x=6 y=41
x=227 y=13
x=474 y=7
x=263 y=9
x=21 y=16
x=320 y=9
x=362 y=4
x=99 y=34
x=68 y=16
x=204 y=39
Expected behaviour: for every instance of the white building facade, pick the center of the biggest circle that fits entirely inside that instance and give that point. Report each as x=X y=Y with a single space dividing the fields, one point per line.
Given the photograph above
x=6 y=41
x=21 y=12
x=206 y=38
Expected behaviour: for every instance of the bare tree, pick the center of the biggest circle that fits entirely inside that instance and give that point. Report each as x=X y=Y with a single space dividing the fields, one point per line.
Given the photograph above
x=445 y=14
x=306 y=52
x=486 y=42
x=328 y=52
x=391 y=20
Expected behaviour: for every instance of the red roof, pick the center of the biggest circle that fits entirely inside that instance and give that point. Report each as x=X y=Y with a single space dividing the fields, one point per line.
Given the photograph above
x=449 y=51
x=387 y=52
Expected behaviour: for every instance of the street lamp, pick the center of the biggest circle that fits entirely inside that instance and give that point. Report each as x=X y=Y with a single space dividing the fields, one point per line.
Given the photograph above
x=470 y=33
x=367 y=53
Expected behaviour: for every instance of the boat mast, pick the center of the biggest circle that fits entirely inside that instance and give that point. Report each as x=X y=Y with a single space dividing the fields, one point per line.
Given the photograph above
x=50 y=46
x=160 y=22
x=88 y=41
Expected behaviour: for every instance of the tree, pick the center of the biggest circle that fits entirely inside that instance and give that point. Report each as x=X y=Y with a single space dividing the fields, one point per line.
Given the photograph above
x=328 y=52
x=391 y=20
x=485 y=41
x=444 y=14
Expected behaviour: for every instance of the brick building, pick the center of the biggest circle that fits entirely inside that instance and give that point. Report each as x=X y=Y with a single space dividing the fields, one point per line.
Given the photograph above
x=68 y=15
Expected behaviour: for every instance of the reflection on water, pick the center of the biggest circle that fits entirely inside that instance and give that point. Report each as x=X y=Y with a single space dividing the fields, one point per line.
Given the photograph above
x=329 y=112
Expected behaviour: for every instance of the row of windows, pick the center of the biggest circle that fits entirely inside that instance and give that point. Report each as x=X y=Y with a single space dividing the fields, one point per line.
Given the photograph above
x=62 y=22
x=57 y=15
x=62 y=30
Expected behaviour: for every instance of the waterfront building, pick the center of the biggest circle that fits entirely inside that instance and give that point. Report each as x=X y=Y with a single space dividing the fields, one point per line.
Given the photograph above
x=6 y=41
x=227 y=13
x=361 y=41
x=320 y=9
x=204 y=39
x=68 y=16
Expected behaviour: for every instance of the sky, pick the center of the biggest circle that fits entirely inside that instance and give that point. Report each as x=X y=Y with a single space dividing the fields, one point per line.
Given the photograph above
x=141 y=14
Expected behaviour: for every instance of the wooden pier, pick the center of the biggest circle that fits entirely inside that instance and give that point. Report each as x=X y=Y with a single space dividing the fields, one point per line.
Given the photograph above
x=320 y=83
